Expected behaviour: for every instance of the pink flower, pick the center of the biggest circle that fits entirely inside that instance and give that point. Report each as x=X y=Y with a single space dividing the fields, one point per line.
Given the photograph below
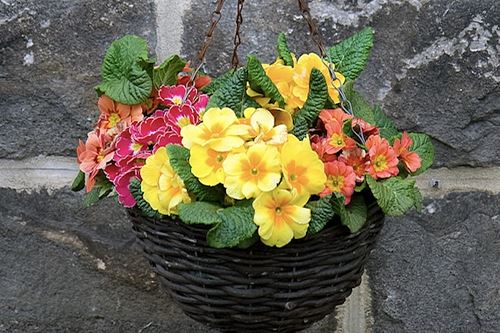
x=93 y=156
x=122 y=173
x=177 y=95
x=180 y=116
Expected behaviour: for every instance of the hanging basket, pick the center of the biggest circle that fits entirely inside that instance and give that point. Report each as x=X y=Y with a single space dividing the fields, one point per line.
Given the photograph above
x=259 y=289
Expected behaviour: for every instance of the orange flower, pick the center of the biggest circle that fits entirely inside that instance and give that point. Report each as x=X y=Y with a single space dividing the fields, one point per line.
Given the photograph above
x=340 y=178
x=93 y=156
x=410 y=159
x=329 y=115
x=115 y=117
x=356 y=158
x=337 y=139
x=383 y=159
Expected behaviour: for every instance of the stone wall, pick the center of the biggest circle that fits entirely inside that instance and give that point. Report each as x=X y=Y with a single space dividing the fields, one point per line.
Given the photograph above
x=434 y=68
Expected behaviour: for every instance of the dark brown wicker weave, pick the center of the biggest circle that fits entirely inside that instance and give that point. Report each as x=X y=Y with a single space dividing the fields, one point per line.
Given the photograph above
x=260 y=289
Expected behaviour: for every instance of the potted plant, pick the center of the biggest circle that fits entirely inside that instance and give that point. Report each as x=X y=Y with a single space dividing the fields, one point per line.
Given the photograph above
x=256 y=195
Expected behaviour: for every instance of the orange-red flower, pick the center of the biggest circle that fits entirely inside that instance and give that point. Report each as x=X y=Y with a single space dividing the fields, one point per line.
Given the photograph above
x=115 y=117
x=329 y=115
x=410 y=159
x=93 y=156
x=340 y=178
x=383 y=159
x=357 y=159
x=336 y=138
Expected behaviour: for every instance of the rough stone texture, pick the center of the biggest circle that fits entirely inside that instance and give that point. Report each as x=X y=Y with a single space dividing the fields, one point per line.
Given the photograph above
x=50 y=58
x=439 y=271
x=69 y=269
x=434 y=68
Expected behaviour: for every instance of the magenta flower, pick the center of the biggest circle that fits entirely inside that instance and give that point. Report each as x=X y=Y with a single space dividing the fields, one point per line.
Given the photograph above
x=177 y=95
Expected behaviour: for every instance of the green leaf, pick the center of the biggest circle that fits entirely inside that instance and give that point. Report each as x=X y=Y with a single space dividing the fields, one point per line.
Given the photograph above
x=141 y=204
x=360 y=106
x=395 y=195
x=124 y=79
x=321 y=213
x=351 y=55
x=354 y=214
x=237 y=226
x=232 y=93
x=387 y=127
x=260 y=82
x=217 y=82
x=199 y=213
x=79 y=182
x=166 y=73
x=284 y=51
x=306 y=117
x=91 y=197
x=179 y=160
x=423 y=146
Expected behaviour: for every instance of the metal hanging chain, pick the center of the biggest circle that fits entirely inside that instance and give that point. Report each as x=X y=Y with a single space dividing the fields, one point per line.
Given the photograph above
x=237 y=38
x=345 y=104
x=215 y=18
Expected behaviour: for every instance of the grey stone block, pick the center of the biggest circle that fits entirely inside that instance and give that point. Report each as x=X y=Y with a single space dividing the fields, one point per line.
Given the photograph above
x=50 y=58
x=438 y=271
x=69 y=269
x=434 y=68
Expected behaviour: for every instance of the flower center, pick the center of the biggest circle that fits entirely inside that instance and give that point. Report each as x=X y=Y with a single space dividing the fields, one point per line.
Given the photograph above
x=183 y=121
x=220 y=158
x=136 y=147
x=337 y=140
x=336 y=183
x=278 y=210
x=100 y=157
x=113 y=119
x=254 y=171
x=177 y=100
x=380 y=163
x=293 y=177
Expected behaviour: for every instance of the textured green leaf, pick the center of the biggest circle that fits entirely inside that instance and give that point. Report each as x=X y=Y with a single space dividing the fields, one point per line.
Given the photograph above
x=387 y=127
x=232 y=93
x=141 y=204
x=306 y=117
x=166 y=73
x=354 y=214
x=321 y=213
x=423 y=146
x=237 y=226
x=124 y=79
x=179 y=160
x=395 y=195
x=260 y=82
x=360 y=107
x=79 y=182
x=351 y=55
x=283 y=50
x=217 y=82
x=91 y=197
x=199 y=213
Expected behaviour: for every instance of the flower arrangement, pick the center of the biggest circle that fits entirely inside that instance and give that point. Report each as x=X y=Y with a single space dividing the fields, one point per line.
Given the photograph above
x=266 y=152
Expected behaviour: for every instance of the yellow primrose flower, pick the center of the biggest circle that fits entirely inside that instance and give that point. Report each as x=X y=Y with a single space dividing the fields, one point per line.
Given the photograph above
x=262 y=127
x=206 y=165
x=281 y=216
x=220 y=131
x=302 y=73
x=282 y=77
x=163 y=189
x=303 y=171
x=252 y=172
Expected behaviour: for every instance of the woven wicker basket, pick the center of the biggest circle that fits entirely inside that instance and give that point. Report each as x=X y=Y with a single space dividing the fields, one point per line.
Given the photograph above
x=260 y=289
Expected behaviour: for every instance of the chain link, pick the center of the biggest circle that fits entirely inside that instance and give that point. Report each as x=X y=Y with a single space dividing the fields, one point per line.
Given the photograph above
x=237 y=38
x=345 y=104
